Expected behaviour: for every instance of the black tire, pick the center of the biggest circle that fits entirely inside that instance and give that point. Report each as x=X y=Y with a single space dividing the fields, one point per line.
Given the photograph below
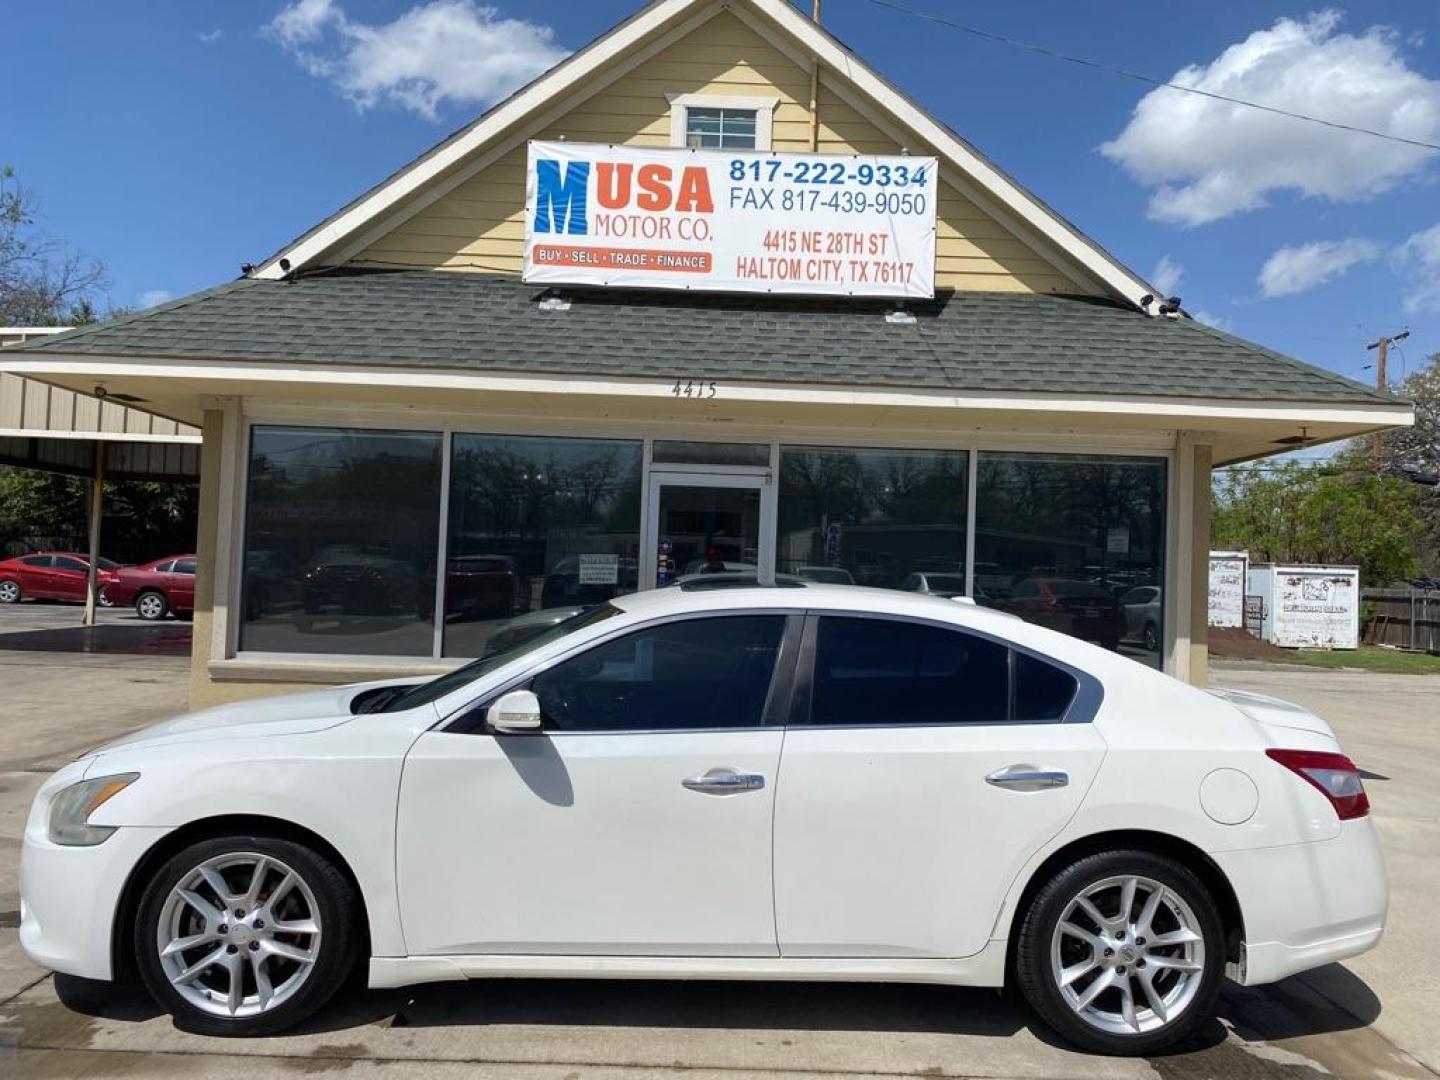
x=151 y=605
x=337 y=950
x=1150 y=638
x=10 y=591
x=1033 y=970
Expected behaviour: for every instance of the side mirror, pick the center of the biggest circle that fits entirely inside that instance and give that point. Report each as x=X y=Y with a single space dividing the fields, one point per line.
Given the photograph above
x=517 y=713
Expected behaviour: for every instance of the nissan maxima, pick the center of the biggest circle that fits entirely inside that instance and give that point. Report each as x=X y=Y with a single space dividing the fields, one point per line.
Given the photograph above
x=810 y=782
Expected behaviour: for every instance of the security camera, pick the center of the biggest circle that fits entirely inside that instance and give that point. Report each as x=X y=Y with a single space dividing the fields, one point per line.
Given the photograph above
x=101 y=392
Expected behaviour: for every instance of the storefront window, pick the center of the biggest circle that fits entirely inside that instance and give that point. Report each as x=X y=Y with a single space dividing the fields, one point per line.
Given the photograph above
x=538 y=528
x=1075 y=543
x=892 y=518
x=341 y=531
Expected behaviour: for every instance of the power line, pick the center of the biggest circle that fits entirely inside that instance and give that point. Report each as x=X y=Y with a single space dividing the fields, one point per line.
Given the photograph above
x=1148 y=79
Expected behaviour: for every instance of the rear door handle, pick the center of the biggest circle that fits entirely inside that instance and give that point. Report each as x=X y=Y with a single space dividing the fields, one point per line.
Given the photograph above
x=724 y=781
x=1028 y=778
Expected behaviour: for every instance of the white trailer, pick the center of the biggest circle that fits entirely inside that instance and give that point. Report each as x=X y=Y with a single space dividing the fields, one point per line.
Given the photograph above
x=1229 y=574
x=1308 y=607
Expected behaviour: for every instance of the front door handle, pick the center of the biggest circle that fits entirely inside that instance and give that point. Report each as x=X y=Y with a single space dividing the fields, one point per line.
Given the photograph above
x=1028 y=778
x=724 y=781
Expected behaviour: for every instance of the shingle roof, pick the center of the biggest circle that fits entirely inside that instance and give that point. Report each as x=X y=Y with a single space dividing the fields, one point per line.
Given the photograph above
x=963 y=341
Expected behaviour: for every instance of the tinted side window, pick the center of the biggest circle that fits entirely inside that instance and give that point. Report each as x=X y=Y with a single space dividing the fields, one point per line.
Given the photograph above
x=37 y=560
x=1042 y=691
x=163 y=568
x=878 y=671
x=64 y=563
x=184 y=566
x=697 y=673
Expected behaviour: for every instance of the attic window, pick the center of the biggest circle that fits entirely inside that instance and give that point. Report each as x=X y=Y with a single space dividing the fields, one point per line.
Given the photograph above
x=705 y=122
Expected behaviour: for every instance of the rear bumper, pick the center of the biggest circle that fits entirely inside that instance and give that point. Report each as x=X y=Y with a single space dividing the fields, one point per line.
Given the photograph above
x=1307 y=905
x=118 y=592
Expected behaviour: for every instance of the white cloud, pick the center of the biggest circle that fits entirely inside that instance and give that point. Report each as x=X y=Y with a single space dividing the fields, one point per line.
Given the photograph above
x=1166 y=275
x=1299 y=269
x=455 y=51
x=212 y=36
x=1208 y=159
x=153 y=297
x=1417 y=261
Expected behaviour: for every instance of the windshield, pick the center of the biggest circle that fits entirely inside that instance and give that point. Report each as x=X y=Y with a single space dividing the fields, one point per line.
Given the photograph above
x=453 y=680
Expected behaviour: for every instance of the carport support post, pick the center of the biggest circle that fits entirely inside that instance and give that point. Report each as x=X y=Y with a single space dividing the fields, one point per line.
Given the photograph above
x=97 y=487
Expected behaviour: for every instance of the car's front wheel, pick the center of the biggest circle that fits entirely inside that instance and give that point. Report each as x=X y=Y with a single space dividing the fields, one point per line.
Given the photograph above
x=9 y=591
x=1122 y=952
x=245 y=935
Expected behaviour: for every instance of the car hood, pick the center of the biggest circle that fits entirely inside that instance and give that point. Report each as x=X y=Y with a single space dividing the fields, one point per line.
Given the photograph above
x=288 y=714
x=1275 y=712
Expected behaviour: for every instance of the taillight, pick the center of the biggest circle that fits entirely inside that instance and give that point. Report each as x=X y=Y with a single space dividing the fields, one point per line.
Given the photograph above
x=1333 y=775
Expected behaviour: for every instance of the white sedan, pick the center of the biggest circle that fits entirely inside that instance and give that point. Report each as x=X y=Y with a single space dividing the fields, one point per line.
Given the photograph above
x=805 y=782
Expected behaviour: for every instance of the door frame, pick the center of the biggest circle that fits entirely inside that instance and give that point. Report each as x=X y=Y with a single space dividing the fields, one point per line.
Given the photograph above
x=759 y=478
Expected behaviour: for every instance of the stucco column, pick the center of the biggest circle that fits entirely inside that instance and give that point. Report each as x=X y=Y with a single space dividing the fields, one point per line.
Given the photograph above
x=1200 y=566
x=207 y=527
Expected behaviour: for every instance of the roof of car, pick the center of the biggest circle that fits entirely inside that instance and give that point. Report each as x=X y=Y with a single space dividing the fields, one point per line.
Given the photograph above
x=811 y=595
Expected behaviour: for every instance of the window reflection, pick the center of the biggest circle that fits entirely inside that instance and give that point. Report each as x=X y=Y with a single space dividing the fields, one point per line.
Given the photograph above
x=891 y=518
x=340 y=528
x=539 y=528
x=1075 y=543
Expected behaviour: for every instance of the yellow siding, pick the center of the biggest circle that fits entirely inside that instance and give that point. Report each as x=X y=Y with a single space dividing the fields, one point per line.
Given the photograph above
x=479 y=226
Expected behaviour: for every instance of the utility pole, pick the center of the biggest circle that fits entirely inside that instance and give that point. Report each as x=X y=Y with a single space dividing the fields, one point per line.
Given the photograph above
x=1382 y=354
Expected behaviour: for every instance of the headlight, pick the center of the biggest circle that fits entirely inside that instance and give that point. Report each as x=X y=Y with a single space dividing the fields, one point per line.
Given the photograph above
x=70 y=810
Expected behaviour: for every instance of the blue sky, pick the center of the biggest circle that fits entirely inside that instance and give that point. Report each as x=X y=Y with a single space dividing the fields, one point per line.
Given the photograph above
x=178 y=139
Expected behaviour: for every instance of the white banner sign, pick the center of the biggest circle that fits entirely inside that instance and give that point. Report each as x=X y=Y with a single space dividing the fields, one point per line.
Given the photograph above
x=1229 y=571
x=1317 y=608
x=847 y=225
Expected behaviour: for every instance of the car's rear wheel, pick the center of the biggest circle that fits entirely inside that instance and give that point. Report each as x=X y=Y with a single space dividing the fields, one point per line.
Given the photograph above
x=151 y=606
x=9 y=592
x=1122 y=952
x=245 y=935
x=1151 y=637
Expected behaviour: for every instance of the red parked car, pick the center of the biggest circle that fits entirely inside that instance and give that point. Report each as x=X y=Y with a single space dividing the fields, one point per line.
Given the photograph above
x=51 y=575
x=156 y=588
x=1081 y=609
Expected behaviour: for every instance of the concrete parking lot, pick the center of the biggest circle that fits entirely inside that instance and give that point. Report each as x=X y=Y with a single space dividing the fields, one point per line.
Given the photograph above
x=1370 y=1017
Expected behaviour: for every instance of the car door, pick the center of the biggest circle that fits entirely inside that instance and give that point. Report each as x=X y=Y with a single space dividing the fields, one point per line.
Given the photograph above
x=68 y=578
x=35 y=577
x=923 y=765
x=638 y=822
x=182 y=585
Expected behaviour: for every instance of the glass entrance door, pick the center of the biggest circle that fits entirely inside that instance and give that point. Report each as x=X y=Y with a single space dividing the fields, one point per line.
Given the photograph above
x=705 y=523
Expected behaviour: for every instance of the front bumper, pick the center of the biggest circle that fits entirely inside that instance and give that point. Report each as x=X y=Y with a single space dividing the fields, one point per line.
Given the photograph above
x=1307 y=905
x=69 y=896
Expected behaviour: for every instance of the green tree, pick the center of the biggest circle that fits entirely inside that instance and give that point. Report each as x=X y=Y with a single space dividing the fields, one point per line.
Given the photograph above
x=1339 y=512
x=142 y=519
x=1413 y=453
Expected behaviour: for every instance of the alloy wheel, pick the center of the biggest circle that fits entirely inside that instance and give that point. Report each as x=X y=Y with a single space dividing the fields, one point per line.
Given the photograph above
x=9 y=592
x=150 y=606
x=1127 y=955
x=239 y=935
